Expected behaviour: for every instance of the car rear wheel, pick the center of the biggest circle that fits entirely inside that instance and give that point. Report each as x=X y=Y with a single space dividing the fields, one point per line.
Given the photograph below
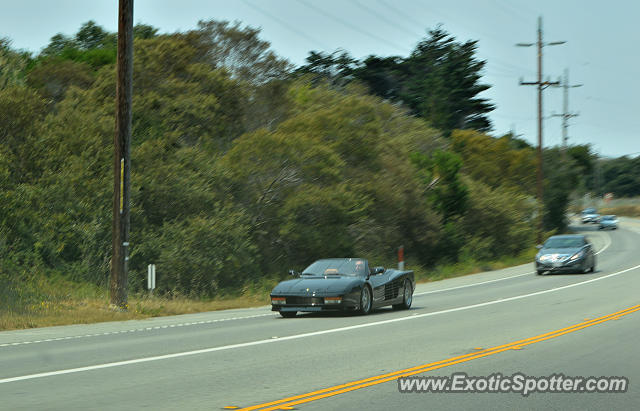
x=365 y=300
x=539 y=272
x=407 y=297
x=288 y=314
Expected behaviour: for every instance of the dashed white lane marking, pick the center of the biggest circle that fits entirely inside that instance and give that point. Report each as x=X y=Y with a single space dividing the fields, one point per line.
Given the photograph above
x=254 y=316
x=300 y=336
x=158 y=327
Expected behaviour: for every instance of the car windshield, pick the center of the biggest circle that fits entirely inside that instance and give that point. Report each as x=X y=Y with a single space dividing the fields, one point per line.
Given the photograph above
x=589 y=211
x=564 y=242
x=608 y=217
x=337 y=266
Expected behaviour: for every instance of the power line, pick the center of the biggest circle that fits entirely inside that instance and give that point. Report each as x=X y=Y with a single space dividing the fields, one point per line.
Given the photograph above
x=513 y=11
x=351 y=26
x=400 y=13
x=383 y=18
x=286 y=25
x=491 y=59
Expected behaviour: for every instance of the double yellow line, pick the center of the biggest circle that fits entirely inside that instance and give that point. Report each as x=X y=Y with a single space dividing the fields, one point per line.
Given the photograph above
x=290 y=402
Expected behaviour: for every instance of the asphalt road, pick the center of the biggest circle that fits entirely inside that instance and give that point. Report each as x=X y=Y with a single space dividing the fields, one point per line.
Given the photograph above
x=507 y=321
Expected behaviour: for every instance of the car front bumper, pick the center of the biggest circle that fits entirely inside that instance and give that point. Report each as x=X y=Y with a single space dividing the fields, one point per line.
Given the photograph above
x=315 y=304
x=564 y=266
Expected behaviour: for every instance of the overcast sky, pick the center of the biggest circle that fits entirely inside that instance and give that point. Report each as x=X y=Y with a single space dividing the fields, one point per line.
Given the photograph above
x=601 y=52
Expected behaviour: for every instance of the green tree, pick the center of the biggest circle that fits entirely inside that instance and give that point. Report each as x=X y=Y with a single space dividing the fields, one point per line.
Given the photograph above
x=53 y=77
x=444 y=82
x=560 y=179
x=239 y=50
x=496 y=161
x=21 y=113
x=447 y=191
x=91 y=36
x=12 y=65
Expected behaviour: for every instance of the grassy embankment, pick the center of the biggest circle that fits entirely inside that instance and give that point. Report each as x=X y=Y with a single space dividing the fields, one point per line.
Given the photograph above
x=72 y=303
x=622 y=210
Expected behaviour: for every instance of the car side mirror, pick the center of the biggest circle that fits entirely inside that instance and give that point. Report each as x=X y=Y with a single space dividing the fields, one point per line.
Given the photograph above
x=293 y=273
x=378 y=270
x=539 y=246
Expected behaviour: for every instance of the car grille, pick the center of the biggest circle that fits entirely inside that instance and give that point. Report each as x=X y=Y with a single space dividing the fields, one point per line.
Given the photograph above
x=305 y=300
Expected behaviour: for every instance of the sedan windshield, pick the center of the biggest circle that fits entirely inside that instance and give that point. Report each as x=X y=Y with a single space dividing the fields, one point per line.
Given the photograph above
x=336 y=266
x=564 y=242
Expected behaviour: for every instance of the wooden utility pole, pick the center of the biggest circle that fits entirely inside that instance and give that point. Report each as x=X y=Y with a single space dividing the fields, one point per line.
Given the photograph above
x=541 y=86
x=566 y=115
x=122 y=160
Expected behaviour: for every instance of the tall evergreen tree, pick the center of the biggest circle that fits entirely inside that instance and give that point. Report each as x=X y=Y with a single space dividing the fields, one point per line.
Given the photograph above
x=443 y=83
x=439 y=81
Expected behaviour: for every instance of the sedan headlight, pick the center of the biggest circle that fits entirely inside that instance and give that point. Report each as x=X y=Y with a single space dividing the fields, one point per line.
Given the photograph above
x=545 y=257
x=577 y=255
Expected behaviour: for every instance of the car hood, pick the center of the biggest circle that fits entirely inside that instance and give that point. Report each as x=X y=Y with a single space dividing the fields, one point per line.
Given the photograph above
x=560 y=251
x=310 y=285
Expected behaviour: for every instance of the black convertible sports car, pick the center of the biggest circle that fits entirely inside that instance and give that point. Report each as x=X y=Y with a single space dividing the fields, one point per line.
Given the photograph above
x=346 y=284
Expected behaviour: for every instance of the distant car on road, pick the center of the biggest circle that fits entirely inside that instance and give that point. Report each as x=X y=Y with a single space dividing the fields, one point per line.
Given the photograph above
x=343 y=284
x=608 y=222
x=590 y=215
x=565 y=253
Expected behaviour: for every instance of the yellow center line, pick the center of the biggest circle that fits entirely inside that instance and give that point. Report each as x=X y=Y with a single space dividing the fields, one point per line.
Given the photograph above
x=379 y=379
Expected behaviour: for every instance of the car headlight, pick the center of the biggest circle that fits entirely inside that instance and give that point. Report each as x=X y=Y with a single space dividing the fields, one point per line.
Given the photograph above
x=545 y=257
x=278 y=300
x=577 y=255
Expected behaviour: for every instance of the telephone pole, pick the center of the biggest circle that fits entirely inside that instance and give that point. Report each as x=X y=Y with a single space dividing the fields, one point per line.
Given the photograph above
x=565 y=109
x=541 y=86
x=122 y=161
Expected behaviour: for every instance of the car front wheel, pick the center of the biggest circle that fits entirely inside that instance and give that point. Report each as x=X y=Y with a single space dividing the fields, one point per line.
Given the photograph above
x=365 y=300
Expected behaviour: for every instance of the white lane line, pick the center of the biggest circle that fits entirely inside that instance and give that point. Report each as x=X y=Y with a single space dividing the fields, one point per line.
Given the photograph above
x=300 y=336
x=608 y=243
x=264 y=315
x=471 y=285
x=135 y=330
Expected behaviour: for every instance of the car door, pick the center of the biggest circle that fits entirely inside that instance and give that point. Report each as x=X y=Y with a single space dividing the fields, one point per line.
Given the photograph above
x=378 y=282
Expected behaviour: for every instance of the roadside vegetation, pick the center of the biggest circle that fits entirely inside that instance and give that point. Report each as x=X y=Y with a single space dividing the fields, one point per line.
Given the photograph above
x=244 y=166
x=622 y=210
x=63 y=303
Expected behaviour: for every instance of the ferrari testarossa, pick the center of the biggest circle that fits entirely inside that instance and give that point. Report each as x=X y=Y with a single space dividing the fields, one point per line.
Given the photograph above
x=346 y=284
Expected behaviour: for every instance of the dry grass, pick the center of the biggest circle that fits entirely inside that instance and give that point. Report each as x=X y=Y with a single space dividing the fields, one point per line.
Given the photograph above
x=473 y=267
x=94 y=310
x=88 y=304
x=622 y=210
